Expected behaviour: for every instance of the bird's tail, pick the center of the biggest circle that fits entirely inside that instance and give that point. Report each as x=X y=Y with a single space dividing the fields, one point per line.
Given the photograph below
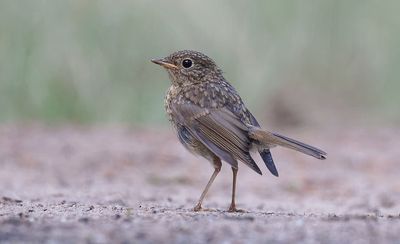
x=270 y=139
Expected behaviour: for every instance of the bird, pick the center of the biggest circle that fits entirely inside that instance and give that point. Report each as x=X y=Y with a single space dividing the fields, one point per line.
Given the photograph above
x=211 y=119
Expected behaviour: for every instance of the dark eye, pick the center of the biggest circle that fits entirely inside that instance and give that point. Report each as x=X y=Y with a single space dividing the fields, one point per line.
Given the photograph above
x=187 y=63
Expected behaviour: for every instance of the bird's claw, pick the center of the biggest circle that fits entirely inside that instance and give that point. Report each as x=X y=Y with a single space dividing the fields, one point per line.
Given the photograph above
x=233 y=209
x=197 y=208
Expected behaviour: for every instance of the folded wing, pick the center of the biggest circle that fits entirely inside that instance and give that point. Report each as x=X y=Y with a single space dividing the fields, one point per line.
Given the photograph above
x=219 y=130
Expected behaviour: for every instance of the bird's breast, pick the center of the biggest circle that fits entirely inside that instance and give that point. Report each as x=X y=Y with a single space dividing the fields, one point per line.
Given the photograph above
x=170 y=96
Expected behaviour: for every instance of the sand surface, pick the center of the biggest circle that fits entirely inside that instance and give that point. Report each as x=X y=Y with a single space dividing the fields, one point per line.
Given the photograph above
x=105 y=184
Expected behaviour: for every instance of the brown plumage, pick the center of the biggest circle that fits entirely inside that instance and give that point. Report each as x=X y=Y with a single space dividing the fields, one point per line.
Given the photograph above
x=211 y=119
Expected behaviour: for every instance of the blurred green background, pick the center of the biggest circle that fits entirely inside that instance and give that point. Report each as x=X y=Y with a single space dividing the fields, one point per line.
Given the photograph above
x=294 y=62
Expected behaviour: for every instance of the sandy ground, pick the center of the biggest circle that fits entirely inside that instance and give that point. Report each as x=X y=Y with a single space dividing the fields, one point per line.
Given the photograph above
x=123 y=185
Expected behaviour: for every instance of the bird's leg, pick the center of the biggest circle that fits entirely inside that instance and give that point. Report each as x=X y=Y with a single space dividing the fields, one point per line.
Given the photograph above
x=233 y=208
x=217 y=166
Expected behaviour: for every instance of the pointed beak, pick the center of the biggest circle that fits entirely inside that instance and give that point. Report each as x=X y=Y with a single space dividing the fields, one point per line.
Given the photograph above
x=164 y=63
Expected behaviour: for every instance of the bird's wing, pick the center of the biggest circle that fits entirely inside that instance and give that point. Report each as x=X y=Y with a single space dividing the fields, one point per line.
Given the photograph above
x=219 y=130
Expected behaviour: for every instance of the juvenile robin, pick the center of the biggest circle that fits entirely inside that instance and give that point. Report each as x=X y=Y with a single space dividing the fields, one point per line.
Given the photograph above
x=212 y=121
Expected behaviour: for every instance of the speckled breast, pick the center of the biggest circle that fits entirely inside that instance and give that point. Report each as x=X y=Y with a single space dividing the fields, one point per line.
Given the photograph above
x=171 y=94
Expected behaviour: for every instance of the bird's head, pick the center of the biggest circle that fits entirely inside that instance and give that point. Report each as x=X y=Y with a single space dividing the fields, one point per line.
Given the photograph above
x=189 y=67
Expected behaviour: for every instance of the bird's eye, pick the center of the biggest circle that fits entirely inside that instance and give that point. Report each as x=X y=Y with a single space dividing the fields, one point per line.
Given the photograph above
x=187 y=63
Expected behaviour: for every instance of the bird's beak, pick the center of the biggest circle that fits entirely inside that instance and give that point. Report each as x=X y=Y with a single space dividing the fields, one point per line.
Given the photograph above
x=164 y=63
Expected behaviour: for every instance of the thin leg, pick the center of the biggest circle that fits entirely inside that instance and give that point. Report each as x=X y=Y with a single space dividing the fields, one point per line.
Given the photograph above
x=233 y=208
x=217 y=165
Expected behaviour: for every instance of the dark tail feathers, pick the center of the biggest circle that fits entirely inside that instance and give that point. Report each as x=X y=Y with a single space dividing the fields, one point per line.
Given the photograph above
x=269 y=162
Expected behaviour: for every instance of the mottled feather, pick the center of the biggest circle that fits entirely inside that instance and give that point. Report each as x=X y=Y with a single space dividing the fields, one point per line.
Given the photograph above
x=217 y=129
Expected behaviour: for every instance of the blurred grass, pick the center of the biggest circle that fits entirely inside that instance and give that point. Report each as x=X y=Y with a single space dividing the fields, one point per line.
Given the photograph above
x=88 y=61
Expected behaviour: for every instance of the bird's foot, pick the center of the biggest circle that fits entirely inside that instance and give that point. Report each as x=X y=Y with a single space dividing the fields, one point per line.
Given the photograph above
x=233 y=209
x=197 y=208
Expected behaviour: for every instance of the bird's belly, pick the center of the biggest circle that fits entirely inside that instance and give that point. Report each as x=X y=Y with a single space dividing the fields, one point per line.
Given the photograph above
x=192 y=144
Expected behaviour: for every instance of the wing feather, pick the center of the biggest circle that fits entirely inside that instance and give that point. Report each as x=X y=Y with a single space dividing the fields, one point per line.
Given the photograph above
x=220 y=130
